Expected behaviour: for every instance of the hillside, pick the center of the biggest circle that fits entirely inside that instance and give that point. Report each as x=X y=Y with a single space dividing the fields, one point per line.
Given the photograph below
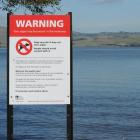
x=117 y=39
x=107 y=39
x=3 y=36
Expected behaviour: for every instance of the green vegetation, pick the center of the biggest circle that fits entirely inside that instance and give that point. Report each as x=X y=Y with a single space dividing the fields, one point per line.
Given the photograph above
x=3 y=37
x=33 y=6
x=107 y=39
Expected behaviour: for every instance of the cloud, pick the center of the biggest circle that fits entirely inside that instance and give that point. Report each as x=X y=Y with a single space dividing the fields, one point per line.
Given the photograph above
x=107 y=1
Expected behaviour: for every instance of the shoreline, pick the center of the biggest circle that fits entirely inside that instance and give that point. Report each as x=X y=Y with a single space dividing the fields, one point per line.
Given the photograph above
x=103 y=39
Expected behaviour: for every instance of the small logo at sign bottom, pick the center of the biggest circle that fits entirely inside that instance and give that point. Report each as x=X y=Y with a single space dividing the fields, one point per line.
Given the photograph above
x=17 y=97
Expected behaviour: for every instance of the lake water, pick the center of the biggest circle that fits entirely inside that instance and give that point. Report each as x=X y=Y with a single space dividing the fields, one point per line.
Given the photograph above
x=106 y=100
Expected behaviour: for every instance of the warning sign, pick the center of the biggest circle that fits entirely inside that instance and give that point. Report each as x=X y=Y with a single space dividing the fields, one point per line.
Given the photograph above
x=39 y=59
x=24 y=46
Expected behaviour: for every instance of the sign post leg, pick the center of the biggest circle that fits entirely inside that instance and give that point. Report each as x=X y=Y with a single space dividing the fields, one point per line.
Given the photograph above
x=9 y=107
x=9 y=122
x=69 y=122
x=70 y=106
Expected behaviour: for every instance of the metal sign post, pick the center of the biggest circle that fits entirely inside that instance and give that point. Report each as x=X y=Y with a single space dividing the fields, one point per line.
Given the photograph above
x=39 y=38
x=9 y=107
x=70 y=106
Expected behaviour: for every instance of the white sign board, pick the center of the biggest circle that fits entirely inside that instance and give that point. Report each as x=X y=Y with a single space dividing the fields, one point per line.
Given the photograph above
x=39 y=59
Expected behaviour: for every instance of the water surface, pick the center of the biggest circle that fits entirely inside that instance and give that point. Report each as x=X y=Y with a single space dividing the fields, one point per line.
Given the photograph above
x=106 y=100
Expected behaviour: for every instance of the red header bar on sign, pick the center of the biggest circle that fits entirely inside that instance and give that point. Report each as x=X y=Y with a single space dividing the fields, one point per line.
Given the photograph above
x=39 y=25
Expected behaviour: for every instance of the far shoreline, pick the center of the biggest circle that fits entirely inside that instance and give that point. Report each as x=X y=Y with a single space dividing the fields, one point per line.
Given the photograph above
x=94 y=40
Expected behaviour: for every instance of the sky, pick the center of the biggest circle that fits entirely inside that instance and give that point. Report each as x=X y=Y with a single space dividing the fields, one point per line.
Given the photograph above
x=93 y=16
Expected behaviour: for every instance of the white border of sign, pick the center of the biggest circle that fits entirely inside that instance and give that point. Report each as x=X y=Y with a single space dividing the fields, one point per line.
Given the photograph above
x=11 y=74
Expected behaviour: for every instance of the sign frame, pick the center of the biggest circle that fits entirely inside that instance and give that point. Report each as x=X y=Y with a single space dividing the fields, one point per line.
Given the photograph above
x=69 y=107
x=42 y=55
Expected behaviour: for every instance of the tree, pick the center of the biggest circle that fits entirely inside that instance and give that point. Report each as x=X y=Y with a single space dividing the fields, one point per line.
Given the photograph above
x=33 y=6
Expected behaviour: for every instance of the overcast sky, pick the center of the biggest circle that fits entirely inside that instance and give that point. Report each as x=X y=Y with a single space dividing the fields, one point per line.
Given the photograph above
x=101 y=15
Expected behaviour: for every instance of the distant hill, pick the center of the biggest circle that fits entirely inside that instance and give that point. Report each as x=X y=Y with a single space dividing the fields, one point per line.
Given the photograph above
x=107 y=39
x=3 y=36
x=117 y=39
